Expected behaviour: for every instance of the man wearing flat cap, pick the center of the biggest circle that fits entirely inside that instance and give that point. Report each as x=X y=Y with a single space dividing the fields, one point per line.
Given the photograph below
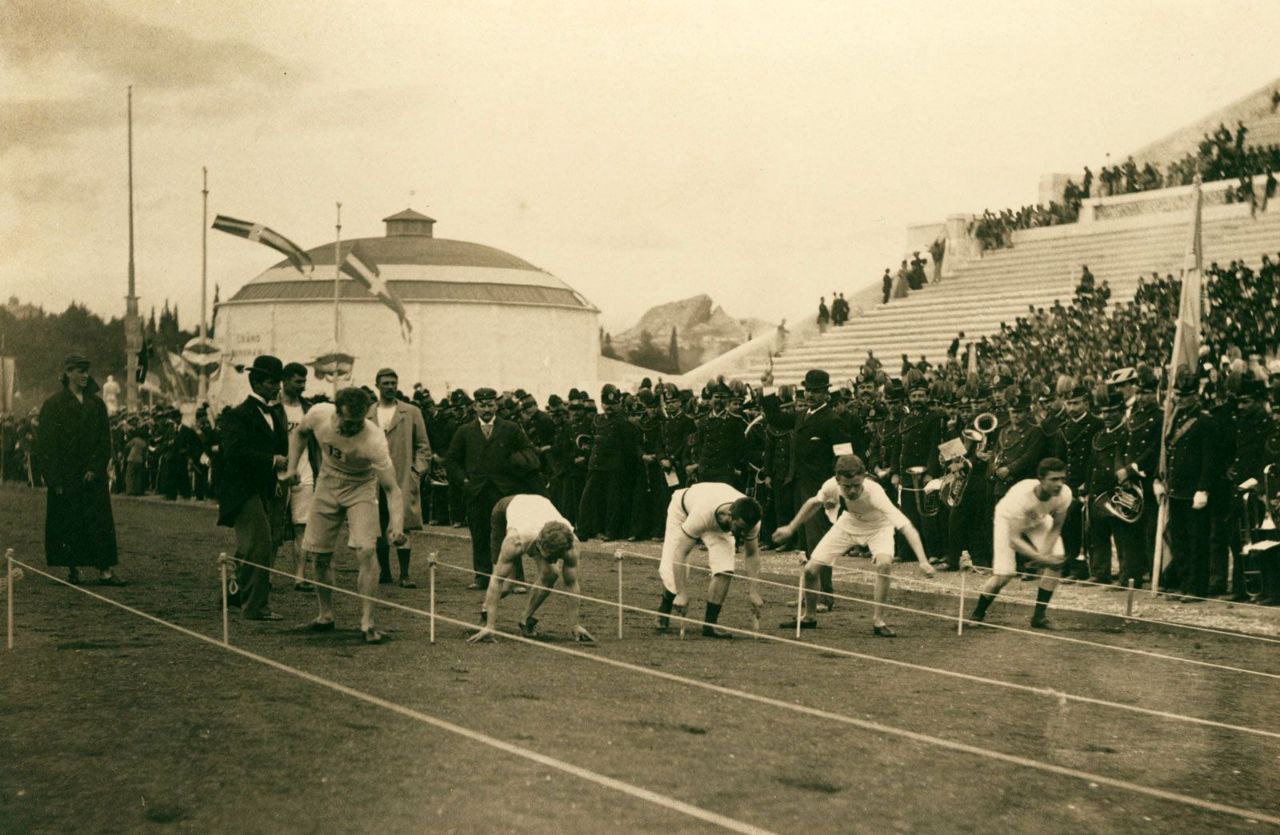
x=410 y=451
x=73 y=444
x=255 y=450
x=485 y=455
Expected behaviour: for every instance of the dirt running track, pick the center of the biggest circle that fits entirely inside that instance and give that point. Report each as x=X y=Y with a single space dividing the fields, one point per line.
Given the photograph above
x=112 y=723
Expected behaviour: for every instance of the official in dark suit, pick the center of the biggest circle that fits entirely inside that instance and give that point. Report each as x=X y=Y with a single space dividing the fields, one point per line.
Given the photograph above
x=255 y=446
x=491 y=457
x=818 y=431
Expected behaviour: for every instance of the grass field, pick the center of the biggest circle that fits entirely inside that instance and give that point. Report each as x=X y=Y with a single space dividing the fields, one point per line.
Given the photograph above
x=109 y=722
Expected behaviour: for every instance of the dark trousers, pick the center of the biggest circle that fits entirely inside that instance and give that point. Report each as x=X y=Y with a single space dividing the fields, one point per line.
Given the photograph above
x=1073 y=539
x=964 y=525
x=1102 y=525
x=479 y=510
x=1222 y=520
x=816 y=527
x=256 y=537
x=383 y=547
x=782 y=497
x=605 y=505
x=649 y=500
x=458 y=504
x=1188 y=538
x=1135 y=542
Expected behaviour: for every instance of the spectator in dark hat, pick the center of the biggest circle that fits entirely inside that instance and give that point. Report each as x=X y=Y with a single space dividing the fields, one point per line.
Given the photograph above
x=255 y=447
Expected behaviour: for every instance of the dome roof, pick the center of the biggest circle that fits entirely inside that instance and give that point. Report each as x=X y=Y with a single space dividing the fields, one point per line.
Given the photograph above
x=418 y=267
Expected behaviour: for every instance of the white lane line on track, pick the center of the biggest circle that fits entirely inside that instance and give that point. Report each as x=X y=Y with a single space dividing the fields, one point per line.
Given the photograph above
x=639 y=792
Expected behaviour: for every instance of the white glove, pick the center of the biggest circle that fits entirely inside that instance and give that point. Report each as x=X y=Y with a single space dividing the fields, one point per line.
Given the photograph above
x=1200 y=500
x=934 y=485
x=1157 y=487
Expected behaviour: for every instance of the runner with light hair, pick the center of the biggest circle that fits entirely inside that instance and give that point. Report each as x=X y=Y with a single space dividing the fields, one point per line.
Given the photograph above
x=528 y=525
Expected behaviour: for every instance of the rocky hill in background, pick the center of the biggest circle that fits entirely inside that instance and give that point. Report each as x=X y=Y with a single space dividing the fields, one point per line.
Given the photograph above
x=702 y=329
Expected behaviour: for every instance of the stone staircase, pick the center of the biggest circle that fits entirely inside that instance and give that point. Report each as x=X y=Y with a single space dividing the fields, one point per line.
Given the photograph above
x=1043 y=265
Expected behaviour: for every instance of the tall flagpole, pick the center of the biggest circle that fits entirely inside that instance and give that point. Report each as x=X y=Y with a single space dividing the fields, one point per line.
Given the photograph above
x=337 y=278
x=204 y=282
x=132 y=327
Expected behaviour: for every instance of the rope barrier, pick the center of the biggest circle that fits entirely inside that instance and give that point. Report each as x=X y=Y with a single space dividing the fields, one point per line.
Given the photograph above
x=967 y=676
x=676 y=805
x=653 y=797
x=1035 y=633
x=911 y=584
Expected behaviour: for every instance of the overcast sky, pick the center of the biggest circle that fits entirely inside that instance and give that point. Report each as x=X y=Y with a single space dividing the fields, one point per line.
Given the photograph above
x=762 y=152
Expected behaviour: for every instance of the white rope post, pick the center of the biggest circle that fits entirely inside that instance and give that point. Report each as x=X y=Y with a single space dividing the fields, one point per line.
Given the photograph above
x=8 y=587
x=226 y=623
x=1128 y=599
x=617 y=555
x=960 y=614
x=800 y=601
x=431 y=583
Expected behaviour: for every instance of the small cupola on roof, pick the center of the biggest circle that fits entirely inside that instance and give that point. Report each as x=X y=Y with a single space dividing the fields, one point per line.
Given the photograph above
x=409 y=224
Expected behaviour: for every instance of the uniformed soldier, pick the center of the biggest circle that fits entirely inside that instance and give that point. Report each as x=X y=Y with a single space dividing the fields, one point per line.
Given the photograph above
x=776 y=465
x=920 y=433
x=650 y=494
x=677 y=428
x=1072 y=441
x=541 y=430
x=1257 y=446
x=1019 y=446
x=615 y=454
x=1143 y=426
x=1189 y=472
x=1106 y=458
x=719 y=442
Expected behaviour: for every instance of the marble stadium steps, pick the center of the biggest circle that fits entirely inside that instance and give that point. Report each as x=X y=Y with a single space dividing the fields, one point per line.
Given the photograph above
x=1005 y=283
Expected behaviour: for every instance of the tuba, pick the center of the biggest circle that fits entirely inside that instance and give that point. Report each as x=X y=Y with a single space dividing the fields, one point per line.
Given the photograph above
x=1125 y=502
x=927 y=501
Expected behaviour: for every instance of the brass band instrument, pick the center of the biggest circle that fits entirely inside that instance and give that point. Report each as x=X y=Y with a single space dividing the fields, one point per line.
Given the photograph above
x=956 y=482
x=1125 y=502
x=927 y=501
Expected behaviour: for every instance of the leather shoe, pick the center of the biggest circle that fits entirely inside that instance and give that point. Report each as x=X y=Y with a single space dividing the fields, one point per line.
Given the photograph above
x=809 y=623
x=112 y=580
x=406 y=583
x=709 y=631
x=883 y=631
x=1042 y=623
x=264 y=616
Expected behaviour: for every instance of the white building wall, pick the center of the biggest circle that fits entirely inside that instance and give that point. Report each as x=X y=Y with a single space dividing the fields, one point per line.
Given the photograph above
x=454 y=345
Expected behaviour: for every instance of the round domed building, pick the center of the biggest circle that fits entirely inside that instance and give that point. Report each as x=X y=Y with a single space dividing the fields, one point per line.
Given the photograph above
x=478 y=316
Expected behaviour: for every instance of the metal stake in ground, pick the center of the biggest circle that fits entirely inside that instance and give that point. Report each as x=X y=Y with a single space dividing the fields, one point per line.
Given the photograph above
x=226 y=624
x=1128 y=599
x=431 y=582
x=617 y=555
x=8 y=590
x=960 y=616
x=799 y=602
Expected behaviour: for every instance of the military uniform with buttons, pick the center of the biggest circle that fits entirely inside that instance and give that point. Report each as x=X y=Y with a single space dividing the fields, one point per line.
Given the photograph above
x=605 y=508
x=1106 y=457
x=1190 y=470
x=1072 y=441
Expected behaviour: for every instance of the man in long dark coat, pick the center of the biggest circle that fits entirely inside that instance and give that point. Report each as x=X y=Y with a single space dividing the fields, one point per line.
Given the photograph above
x=74 y=447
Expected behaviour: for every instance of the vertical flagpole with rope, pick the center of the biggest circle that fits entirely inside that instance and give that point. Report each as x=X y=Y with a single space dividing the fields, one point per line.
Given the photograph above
x=203 y=391
x=337 y=278
x=1186 y=353
x=132 y=325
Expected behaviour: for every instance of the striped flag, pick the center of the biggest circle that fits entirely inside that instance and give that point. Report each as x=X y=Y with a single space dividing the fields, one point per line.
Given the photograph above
x=359 y=267
x=269 y=237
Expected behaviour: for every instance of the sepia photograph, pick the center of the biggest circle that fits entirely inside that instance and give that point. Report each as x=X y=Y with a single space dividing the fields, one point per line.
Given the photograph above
x=433 y=416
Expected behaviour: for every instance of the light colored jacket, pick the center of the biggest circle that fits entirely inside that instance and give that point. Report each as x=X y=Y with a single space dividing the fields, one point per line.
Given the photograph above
x=411 y=455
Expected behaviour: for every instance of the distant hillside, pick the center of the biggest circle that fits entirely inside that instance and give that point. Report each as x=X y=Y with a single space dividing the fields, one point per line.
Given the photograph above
x=703 y=331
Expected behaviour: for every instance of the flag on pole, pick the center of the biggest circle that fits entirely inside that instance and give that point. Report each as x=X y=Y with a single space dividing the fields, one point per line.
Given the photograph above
x=359 y=267
x=1185 y=355
x=261 y=234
